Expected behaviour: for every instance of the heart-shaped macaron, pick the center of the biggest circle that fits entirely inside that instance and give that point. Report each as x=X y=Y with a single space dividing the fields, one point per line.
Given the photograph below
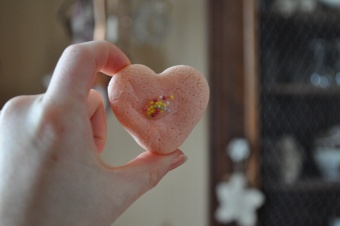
x=158 y=110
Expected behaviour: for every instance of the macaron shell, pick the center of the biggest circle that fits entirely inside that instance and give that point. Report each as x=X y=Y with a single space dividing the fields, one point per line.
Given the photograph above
x=132 y=89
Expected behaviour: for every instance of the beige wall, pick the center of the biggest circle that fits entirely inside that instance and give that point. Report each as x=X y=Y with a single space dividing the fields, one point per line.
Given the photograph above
x=31 y=40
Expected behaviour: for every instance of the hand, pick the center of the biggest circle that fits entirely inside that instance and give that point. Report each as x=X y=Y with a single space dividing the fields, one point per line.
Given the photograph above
x=51 y=172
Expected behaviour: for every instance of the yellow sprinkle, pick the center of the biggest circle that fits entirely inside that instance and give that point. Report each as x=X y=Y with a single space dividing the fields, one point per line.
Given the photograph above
x=151 y=103
x=172 y=97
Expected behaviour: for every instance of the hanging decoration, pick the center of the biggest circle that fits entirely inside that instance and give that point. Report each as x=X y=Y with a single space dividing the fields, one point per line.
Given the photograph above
x=238 y=202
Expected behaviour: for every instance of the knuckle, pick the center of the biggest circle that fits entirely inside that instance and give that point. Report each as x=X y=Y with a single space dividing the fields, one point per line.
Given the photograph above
x=95 y=94
x=14 y=106
x=38 y=124
x=48 y=129
x=154 y=177
x=76 y=51
x=51 y=120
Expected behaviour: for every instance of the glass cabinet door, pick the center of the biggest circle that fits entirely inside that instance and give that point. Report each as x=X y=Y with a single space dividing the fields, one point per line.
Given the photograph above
x=299 y=52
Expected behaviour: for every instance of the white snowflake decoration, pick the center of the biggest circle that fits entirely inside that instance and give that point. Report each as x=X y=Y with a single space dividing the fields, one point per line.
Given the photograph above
x=237 y=202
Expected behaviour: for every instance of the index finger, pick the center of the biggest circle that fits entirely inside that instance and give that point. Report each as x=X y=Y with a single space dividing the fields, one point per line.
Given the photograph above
x=76 y=69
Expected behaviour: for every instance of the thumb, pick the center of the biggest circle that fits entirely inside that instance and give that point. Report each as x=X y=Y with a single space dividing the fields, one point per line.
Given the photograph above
x=145 y=171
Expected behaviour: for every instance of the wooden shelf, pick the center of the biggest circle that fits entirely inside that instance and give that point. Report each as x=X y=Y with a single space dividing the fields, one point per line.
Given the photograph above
x=300 y=89
x=312 y=185
x=319 y=17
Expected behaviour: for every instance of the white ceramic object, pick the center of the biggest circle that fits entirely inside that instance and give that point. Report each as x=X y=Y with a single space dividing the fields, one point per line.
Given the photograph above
x=331 y=3
x=328 y=162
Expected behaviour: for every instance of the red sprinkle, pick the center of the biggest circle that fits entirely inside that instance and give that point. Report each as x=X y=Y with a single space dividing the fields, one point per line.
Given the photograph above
x=164 y=98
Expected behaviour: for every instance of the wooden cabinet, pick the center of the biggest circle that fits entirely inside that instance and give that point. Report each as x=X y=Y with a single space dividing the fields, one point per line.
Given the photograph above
x=275 y=80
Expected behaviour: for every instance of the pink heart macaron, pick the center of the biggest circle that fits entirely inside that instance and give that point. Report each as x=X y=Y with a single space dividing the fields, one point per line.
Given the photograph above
x=158 y=110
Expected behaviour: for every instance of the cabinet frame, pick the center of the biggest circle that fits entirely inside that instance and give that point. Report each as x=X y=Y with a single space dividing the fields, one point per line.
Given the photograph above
x=234 y=88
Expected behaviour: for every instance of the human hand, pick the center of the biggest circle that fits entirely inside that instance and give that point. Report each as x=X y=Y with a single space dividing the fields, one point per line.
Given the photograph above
x=51 y=172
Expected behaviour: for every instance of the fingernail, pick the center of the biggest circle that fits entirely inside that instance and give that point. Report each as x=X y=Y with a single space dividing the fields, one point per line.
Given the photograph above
x=177 y=161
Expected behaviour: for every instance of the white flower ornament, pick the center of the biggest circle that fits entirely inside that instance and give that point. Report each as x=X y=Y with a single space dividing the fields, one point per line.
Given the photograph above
x=237 y=202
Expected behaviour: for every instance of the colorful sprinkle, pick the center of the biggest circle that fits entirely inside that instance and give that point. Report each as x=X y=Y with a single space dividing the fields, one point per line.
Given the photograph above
x=157 y=106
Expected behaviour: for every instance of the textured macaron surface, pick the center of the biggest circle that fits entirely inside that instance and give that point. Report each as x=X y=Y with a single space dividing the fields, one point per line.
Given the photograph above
x=158 y=110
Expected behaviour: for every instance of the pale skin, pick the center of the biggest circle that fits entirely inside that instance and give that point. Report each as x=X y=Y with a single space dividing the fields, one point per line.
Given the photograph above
x=51 y=171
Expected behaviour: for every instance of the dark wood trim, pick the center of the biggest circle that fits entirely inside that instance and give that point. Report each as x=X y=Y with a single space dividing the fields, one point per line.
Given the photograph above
x=229 y=69
x=227 y=86
x=251 y=101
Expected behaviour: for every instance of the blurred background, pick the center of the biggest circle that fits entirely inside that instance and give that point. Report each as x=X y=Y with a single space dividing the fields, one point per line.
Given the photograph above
x=267 y=150
x=158 y=34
